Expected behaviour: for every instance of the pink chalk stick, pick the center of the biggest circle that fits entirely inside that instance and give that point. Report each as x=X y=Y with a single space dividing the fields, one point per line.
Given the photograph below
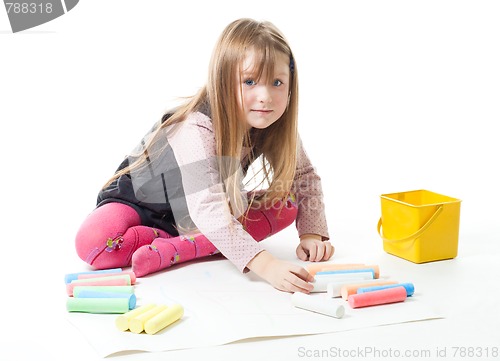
x=97 y=282
x=97 y=275
x=389 y=295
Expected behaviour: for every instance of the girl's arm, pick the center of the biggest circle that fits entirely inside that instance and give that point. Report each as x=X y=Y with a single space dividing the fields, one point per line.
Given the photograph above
x=311 y=220
x=308 y=191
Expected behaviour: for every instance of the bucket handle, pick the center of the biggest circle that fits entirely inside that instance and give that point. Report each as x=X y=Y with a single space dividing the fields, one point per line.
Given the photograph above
x=414 y=235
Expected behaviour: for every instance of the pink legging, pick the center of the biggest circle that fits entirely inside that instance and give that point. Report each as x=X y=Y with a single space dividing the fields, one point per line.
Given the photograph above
x=112 y=236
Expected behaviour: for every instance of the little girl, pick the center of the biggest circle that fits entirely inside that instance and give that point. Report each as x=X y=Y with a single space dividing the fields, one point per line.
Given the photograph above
x=180 y=195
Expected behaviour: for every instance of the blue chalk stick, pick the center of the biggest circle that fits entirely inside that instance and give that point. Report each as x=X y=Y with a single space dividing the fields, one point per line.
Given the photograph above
x=132 y=299
x=347 y=271
x=410 y=289
x=73 y=276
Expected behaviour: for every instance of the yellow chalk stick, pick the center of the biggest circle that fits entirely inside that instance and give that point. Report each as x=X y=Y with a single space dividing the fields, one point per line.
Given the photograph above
x=136 y=324
x=122 y=321
x=163 y=319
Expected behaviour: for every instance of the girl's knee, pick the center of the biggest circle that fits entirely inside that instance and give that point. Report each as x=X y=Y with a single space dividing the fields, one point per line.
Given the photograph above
x=100 y=241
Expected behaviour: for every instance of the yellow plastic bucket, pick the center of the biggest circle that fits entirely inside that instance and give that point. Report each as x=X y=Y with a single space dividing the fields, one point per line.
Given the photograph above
x=420 y=226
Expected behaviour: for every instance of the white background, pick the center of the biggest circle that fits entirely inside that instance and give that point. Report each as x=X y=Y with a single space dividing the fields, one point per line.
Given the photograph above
x=394 y=96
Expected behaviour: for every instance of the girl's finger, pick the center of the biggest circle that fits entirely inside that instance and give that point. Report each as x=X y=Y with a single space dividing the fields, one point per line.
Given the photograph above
x=301 y=253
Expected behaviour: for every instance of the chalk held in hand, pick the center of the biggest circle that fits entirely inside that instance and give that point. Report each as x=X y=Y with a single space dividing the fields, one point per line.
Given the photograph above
x=313 y=268
x=318 y=304
x=381 y=297
x=321 y=280
x=410 y=288
x=163 y=319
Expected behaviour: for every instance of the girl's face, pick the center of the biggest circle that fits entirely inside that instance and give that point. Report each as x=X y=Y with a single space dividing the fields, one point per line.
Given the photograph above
x=263 y=101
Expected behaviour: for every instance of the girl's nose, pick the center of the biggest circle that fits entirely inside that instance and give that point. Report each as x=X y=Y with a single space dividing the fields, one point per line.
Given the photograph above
x=264 y=94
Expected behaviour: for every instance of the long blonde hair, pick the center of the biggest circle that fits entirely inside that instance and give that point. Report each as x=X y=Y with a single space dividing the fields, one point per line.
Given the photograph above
x=276 y=145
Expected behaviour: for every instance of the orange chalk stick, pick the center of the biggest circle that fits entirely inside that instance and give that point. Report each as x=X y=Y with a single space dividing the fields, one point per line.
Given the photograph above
x=313 y=268
x=85 y=276
x=347 y=290
x=334 y=267
x=381 y=297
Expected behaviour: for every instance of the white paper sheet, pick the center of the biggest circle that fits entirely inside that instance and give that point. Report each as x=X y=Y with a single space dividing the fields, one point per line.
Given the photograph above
x=223 y=306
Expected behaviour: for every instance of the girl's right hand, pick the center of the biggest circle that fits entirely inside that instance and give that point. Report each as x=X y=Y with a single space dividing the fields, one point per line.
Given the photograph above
x=284 y=276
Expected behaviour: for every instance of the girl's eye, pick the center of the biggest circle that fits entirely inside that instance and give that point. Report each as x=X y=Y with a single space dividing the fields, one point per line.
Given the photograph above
x=250 y=82
x=277 y=82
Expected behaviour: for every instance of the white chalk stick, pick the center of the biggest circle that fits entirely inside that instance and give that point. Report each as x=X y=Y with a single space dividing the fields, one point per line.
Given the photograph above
x=318 y=304
x=333 y=288
x=321 y=281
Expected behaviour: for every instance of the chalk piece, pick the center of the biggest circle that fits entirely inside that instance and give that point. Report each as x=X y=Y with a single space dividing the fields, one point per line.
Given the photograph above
x=114 y=289
x=316 y=267
x=73 y=276
x=348 y=271
x=163 y=319
x=132 y=299
x=130 y=273
x=123 y=280
x=136 y=324
x=321 y=281
x=374 y=269
x=381 y=297
x=410 y=288
x=333 y=289
x=122 y=321
x=348 y=290
x=83 y=282
x=97 y=305
x=318 y=304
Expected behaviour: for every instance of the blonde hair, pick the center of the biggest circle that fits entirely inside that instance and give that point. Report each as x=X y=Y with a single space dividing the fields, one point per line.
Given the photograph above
x=276 y=145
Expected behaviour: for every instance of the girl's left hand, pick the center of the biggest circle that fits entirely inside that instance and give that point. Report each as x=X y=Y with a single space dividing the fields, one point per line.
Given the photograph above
x=312 y=248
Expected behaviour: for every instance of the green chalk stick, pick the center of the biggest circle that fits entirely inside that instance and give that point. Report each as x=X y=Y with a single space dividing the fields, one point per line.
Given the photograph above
x=97 y=305
x=120 y=289
x=132 y=299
